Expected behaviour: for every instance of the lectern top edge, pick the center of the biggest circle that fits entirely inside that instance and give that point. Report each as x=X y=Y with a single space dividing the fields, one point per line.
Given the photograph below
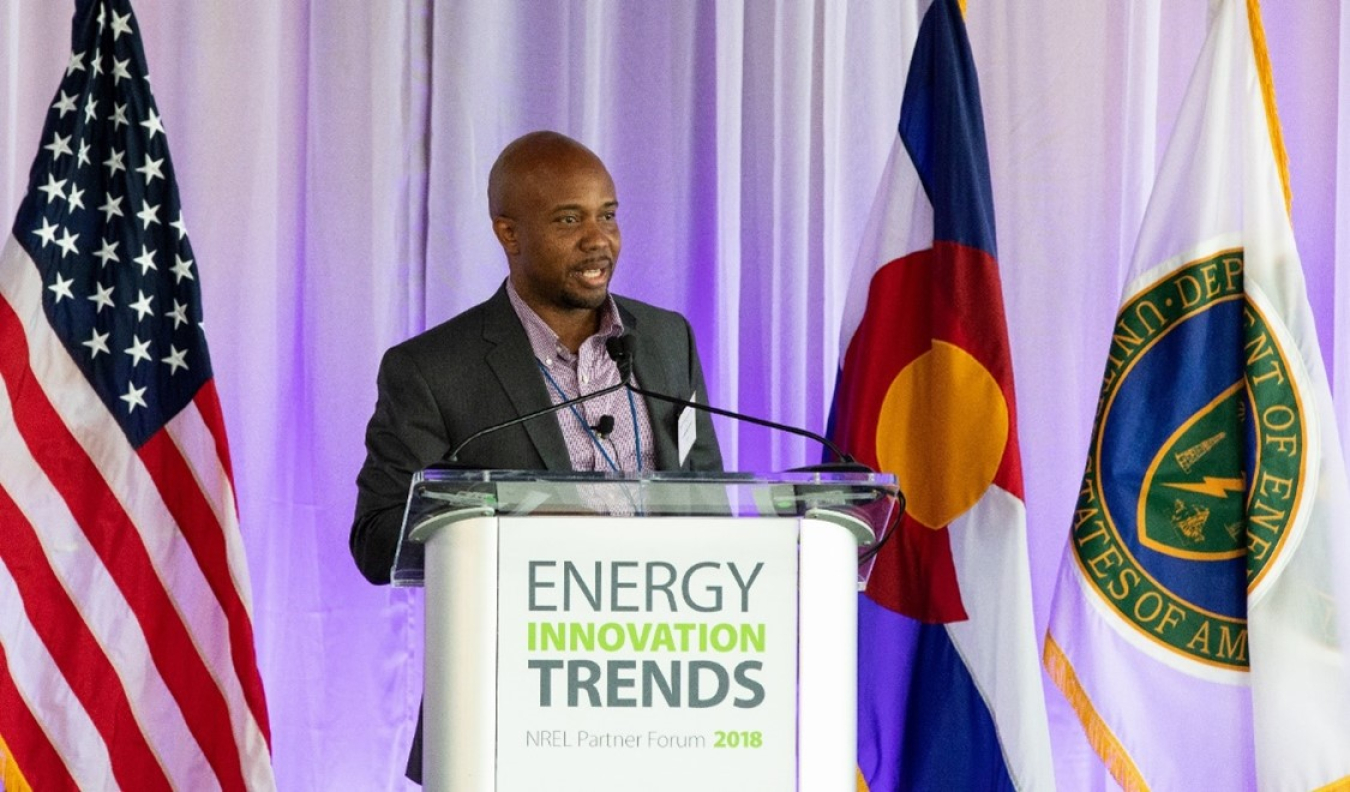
x=863 y=502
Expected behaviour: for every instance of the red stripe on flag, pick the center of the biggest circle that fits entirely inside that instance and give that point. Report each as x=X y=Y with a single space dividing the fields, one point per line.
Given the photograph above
x=203 y=533
x=78 y=656
x=30 y=749
x=115 y=539
x=208 y=404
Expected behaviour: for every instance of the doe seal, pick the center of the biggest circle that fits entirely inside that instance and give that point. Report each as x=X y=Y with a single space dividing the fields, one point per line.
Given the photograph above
x=1195 y=466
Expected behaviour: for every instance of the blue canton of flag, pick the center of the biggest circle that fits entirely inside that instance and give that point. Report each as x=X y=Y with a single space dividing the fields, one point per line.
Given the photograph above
x=103 y=222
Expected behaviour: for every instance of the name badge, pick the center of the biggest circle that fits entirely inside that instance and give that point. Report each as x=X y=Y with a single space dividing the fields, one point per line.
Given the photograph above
x=688 y=429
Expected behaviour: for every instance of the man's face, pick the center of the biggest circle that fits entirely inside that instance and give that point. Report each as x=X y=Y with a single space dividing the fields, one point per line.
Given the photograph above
x=564 y=240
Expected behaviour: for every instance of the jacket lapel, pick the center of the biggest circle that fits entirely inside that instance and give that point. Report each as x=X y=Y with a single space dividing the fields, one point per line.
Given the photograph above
x=512 y=361
x=651 y=372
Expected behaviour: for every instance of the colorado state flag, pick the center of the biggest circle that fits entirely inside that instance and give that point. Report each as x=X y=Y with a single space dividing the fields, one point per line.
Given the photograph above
x=1197 y=628
x=949 y=692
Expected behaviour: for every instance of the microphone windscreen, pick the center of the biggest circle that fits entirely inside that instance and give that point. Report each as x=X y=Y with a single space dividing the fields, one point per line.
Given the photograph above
x=604 y=426
x=615 y=347
x=621 y=350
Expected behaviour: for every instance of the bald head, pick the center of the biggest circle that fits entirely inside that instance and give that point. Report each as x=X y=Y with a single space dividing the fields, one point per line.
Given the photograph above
x=528 y=161
x=555 y=213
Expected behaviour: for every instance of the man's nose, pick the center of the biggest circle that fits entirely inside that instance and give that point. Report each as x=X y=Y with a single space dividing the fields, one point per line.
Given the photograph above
x=595 y=236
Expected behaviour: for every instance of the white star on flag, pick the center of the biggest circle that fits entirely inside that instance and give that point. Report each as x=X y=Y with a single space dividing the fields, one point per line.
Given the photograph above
x=97 y=343
x=120 y=24
x=61 y=288
x=102 y=297
x=111 y=206
x=146 y=260
x=65 y=104
x=142 y=305
x=47 y=233
x=176 y=359
x=139 y=350
x=67 y=242
x=120 y=70
x=178 y=314
x=114 y=162
x=58 y=146
x=151 y=169
x=152 y=124
x=54 y=188
x=149 y=214
x=108 y=252
x=182 y=269
x=134 y=397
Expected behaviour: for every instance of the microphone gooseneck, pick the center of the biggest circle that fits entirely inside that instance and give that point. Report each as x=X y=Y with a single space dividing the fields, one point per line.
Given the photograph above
x=623 y=349
x=453 y=456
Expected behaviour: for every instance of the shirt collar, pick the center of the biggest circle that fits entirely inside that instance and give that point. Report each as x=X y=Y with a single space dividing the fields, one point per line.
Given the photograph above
x=544 y=341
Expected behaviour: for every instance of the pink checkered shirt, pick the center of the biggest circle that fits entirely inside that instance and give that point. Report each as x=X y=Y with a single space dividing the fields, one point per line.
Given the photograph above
x=590 y=370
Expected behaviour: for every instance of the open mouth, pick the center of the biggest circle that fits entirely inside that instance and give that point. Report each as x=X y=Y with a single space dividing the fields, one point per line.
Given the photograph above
x=593 y=276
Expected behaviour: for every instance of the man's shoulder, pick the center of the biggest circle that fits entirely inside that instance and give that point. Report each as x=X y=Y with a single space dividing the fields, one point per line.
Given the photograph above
x=465 y=329
x=647 y=314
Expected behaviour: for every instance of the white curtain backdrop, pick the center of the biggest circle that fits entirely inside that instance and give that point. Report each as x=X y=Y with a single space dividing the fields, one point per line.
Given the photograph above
x=333 y=162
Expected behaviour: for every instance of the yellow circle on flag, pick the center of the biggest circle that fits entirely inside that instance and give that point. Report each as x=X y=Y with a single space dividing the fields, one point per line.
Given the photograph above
x=942 y=430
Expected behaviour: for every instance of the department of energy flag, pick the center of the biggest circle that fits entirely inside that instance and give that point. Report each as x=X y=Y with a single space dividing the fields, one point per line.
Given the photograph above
x=949 y=690
x=126 y=651
x=1194 y=627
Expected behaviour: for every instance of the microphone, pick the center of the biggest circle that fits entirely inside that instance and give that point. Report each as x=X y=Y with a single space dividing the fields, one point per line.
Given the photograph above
x=453 y=457
x=604 y=426
x=623 y=349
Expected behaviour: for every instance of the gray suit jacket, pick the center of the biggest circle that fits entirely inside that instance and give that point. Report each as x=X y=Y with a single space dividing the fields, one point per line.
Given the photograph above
x=477 y=370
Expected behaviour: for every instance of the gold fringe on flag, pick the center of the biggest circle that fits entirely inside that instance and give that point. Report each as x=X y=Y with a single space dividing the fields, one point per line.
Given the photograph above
x=1267 y=78
x=11 y=780
x=1099 y=735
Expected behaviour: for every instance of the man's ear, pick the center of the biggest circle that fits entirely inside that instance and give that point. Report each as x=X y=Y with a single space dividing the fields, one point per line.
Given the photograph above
x=505 y=229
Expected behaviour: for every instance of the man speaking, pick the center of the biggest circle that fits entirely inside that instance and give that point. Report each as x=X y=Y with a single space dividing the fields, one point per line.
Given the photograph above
x=540 y=340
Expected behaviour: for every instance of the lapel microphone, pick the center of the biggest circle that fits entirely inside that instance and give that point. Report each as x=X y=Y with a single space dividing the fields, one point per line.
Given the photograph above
x=604 y=426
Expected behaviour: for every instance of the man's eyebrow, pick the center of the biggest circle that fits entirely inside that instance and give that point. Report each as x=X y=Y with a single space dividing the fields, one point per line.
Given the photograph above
x=574 y=207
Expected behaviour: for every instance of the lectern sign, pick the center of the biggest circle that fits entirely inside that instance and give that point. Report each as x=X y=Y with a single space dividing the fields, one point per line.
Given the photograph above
x=658 y=654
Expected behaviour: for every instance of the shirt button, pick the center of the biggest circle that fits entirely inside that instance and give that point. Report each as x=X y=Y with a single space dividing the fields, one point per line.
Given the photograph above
x=585 y=379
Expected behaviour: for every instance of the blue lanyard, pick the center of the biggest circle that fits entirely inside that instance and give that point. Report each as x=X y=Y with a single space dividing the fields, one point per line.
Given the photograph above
x=632 y=414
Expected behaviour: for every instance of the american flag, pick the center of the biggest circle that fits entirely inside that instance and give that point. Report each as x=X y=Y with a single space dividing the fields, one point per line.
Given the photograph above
x=126 y=648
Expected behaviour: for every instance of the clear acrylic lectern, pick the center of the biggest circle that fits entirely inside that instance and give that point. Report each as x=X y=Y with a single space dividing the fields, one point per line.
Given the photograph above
x=670 y=631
